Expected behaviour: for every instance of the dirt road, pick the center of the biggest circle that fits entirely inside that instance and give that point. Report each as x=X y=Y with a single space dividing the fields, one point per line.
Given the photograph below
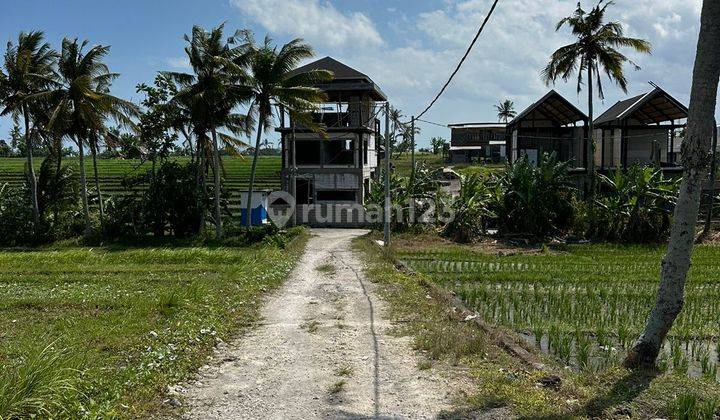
x=324 y=350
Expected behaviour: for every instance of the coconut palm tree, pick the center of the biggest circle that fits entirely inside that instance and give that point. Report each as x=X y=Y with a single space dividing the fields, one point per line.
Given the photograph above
x=695 y=161
x=84 y=103
x=594 y=51
x=212 y=93
x=29 y=69
x=505 y=110
x=272 y=82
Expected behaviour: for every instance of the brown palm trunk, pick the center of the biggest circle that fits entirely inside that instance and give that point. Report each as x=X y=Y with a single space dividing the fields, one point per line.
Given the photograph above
x=199 y=182
x=93 y=152
x=83 y=185
x=695 y=160
x=248 y=207
x=216 y=178
x=591 y=150
x=31 y=171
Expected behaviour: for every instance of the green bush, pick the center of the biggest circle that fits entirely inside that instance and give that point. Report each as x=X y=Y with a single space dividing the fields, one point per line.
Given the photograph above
x=633 y=206
x=58 y=203
x=15 y=216
x=472 y=209
x=535 y=200
x=420 y=190
x=171 y=205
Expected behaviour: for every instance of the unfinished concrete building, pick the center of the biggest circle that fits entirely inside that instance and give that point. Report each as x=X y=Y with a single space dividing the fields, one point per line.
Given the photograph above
x=329 y=172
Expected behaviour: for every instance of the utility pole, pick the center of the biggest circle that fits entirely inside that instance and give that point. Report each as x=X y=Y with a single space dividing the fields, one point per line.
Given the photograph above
x=412 y=148
x=713 y=169
x=412 y=169
x=386 y=214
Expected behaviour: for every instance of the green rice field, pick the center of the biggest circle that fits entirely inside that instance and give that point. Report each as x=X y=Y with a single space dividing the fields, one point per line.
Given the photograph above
x=113 y=171
x=101 y=332
x=585 y=304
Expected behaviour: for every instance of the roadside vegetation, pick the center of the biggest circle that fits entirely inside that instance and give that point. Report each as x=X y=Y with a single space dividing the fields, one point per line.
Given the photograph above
x=102 y=332
x=585 y=302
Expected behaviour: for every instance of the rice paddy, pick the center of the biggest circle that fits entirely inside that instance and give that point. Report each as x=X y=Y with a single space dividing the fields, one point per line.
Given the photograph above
x=236 y=173
x=586 y=304
x=101 y=332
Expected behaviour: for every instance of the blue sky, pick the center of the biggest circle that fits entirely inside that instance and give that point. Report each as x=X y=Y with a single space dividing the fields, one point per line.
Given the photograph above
x=408 y=47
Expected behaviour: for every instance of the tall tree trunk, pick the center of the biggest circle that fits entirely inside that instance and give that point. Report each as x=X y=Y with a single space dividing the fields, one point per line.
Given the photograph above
x=93 y=152
x=248 y=206
x=31 y=171
x=199 y=181
x=695 y=160
x=591 y=148
x=216 y=178
x=591 y=136
x=83 y=185
x=189 y=142
x=58 y=154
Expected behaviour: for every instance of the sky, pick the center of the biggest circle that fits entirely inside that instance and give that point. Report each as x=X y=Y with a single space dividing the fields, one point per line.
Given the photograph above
x=408 y=47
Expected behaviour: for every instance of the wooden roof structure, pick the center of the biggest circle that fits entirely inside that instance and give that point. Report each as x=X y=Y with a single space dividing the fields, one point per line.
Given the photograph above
x=346 y=80
x=654 y=107
x=555 y=108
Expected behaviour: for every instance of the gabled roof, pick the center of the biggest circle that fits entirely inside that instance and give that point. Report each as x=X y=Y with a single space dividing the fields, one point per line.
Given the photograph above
x=554 y=107
x=654 y=107
x=345 y=78
x=340 y=70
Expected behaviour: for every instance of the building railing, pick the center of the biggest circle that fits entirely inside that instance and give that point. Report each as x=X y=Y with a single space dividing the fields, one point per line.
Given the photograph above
x=354 y=119
x=476 y=139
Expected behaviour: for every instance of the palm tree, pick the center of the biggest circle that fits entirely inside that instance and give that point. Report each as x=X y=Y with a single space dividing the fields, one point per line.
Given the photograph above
x=505 y=110
x=595 y=50
x=272 y=82
x=695 y=161
x=85 y=103
x=212 y=93
x=29 y=69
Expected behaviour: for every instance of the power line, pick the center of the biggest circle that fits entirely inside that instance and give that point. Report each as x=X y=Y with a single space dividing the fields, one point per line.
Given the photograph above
x=432 y=123
x=462 y=60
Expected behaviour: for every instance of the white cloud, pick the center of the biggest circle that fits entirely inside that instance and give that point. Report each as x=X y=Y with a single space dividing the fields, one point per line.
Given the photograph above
x=412 y=63
x=321 y=24
x=178 y=62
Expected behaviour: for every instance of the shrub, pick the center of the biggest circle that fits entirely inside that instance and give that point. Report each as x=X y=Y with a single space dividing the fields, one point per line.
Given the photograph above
x=58 y=191
x=422 y=190
x=16 y=216
x=170 y=205
x=472 y=209
x=633 y=206
x=172 y=200
x=58 y=203
x=535 y=200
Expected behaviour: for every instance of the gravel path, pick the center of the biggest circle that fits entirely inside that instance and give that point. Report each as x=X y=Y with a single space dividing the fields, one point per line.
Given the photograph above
x=324 y=350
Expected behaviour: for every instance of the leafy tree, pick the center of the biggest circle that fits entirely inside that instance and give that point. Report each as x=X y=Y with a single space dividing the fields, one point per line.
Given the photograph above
x=695 y=160
x=156 y=121
x=438 y=144
x=29 y=69
x=271 y=81
x=505 y=110
x=211 y=95
x=85 y=103
x=594 y=51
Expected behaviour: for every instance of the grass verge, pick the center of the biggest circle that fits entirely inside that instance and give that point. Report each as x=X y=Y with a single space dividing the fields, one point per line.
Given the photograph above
x=502 y=381
x=123 y=323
